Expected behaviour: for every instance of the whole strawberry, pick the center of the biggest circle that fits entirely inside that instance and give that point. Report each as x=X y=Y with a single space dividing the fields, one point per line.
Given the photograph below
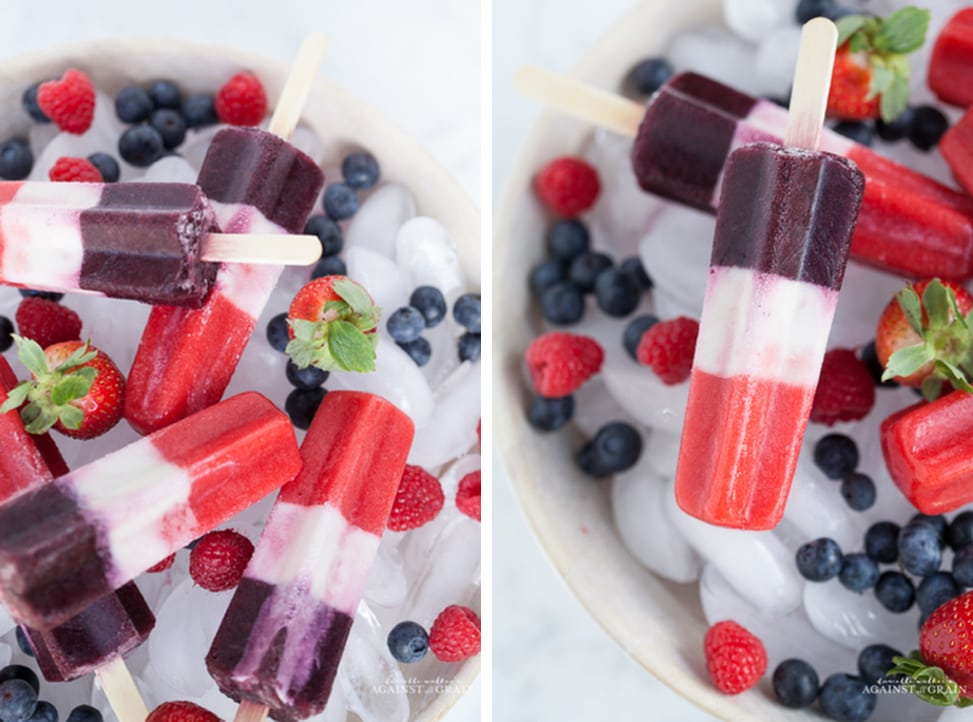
x=181 y=712
x=735 y=658
x=455 y=635
x=332 y=322
x=75 y=389
x=218 y=560
x=871 y=69
x=668 y=349
x=559 y=363
x=845 y=389
x=418 y=500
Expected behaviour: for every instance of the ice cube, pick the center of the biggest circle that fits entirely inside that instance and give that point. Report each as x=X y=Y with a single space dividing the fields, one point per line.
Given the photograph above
x=379 y=219
x=445 y=357
x=776 y=60
x=594 y=406
x=170 y=169
x=712 y=51
x=864 y=293
x=662 y=452
x=425 y=251
x=753 y=19
x=7 y=623
x=643 y=395
x=371 y=680
x=306 y=140
x=815 y=506
x=451 y=428
x=450 y=478
x=387 y=585
x=385 y=282
x=197 y=143
x=639 y=509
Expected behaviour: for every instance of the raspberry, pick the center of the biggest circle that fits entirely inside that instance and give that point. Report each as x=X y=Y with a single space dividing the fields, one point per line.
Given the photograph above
x=67 y=168
x=668 y=348
x=455 y=635
x=163 y=565
x=735 y=658
x=217 y=561
x=468 y=495
x=568 y=186
x=69 y=102
x=559 y=363
x=242 y=100
x=845 y=390
x=47 y=322
x=181 y=712
x=419 y=499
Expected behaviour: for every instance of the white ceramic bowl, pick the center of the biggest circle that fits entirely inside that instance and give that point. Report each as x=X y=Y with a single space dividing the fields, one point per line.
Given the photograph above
x=343 y=124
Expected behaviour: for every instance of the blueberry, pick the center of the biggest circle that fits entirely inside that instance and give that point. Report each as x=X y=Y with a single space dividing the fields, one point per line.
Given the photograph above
x=84 y=713
x=309 y=377
x=17 y=700
x=328 y=232
x=634 y=330
x=566 y=240
x=340 y=201
x=648 y=75
x=360 y=170
x=133 y=104
x=896 y=129
x=858 y=572
x=937 y=522
x=545 y=275
x=419 y=350
x=928 y=127
x=875 y=660
x=959 y=533
x=29 y=101
x=302 y=404
x=23 y=642
x=408 y=642
x=617 y=293
x=468 y=347
x=466 y=311
x=869 y=357
x=429 y=301
x=6 y=328
x=819 y=560
x=199 y=110
x=935 y=590
x=106 y=165
x=616 y=447
x=563 y=304
x=405 y=324
x=170 y=125
x=16 y=159
x=882 y=541
x=32 y=293
x=164 y=94
x=633 y=267
x=277 y=332
x=836 y=455
x=329 y=266
x=546 y=414
x=141 y=145
x=809 y=9
x=858 y=491
x=19 y=671
x=862 y=133
x=44 y=712
x=843 y=697
x=919 y=550
x=585 y=269
x=795 y=683
x=963 y=566
x=895 y=591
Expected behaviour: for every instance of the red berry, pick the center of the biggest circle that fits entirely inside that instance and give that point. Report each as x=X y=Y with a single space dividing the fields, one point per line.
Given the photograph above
x=668 y=348
x=47 y=322
x=845 y=389
x=242 y=100
x=559 y=363
x=944 y=640
x=163 y=565
x=67 y=168
x=418 y=500
x=69 y=102
x=181 y=712
x=468 y=495
x=455 y=635
x=735 y=658
x=219 y=558
x=568 y=186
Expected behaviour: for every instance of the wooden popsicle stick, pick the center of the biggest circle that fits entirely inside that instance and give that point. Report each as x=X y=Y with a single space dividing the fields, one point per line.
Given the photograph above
x=290 y=104
x=812 y=83
x=250 y=712
x=121 y=691
x=268 y=248
x=582 y=101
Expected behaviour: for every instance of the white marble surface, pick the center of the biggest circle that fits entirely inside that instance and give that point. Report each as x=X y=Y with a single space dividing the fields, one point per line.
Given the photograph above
x=552 y=662
x=402 y=58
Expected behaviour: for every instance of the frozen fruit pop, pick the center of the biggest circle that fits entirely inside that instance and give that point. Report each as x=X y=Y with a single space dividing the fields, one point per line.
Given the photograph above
x=951 y=64
x=65 y=544
x=283 y=634
x=957 y=148
x=150 y=242
x=256 y=180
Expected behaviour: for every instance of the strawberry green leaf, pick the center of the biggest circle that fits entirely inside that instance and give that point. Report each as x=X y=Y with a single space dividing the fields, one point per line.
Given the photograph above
x=356 y=296
x=31 y=355
x=954 y=375
x=935 y=299
x=303 y=330
x=72 y=387
x=71 y=417
x=911 y=307
x=882 y=78
x=38 y=419
x=895 y=100
x=904 y=31
x=351 y=348
x=907 y=360
x=930 y=684
x=848 y=26
x=16 y=396
x=932 y=388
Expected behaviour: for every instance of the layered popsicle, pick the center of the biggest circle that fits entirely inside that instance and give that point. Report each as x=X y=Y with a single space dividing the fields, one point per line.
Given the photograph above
x=281 y=640
x=957 y=148
x=785 y=222
x=909 y=224
x=951 y=63
x=67 y=543
x=257 y=182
